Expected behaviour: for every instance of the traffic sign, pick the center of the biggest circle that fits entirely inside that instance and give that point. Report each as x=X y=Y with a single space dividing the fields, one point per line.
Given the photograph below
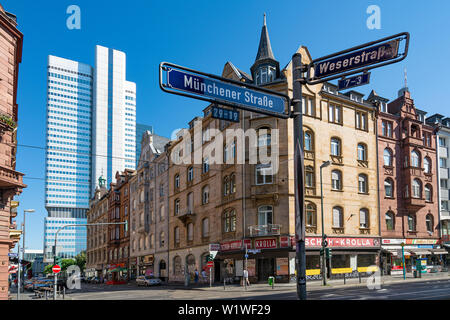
x=355 y=81
x=357 y=59
x=210 y=264
x=199 y=85
x=56 y=269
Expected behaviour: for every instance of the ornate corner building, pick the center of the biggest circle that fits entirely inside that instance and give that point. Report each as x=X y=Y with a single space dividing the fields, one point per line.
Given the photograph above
x=10 y=180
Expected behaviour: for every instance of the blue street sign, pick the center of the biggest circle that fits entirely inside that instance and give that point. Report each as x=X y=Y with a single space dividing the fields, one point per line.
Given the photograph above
x=246 y=255
x=223 y=91
x=12 y=255
x=358 y=59
x=355 y=81
x=225 y=114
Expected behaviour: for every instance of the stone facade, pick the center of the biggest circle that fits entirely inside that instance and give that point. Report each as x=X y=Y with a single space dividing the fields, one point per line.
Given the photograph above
x=10 y=180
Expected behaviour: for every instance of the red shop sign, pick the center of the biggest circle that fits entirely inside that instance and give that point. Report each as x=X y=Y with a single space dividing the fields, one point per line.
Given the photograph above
x=265 y=243
x=234 y=245
x=343 y=242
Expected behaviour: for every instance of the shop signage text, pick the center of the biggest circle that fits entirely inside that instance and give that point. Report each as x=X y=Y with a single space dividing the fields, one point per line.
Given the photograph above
x=234 y=245
x=266 y=243
x=343 y=242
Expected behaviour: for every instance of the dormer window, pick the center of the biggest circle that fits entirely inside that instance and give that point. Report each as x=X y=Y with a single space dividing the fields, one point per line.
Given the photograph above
x=265 y=74
x=383 y=106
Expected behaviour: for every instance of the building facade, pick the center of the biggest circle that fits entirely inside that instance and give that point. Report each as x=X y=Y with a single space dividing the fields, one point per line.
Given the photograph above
x=140 y=130
x=409 y=211
x=11 y=183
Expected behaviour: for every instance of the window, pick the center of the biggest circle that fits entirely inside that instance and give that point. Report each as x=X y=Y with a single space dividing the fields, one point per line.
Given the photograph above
x=383 y=106
x=361 y=120
x=411 y=223
x=229 y=223
x=364 y=218
x=444 y=205
x=362 y=183
x=205 y=135
x=442 y=163
x=336 y=180
x=233 y=183
x=441 y=142
x=226 y=186
x=177 y=206
x=205 y=166
x=265 y=215
x=205 y=228
x=309 y=174
x=389 y=220
x=311 y=215
x=389 y=188
x=190 y=232
x=362 y=152
x=190 y=202
x=205 y=195
x=177 y=181
x=176 y=234
x=427 y=139
x=177 y=267
x=190 y=175
x=161 y=213
x=334 y=114
x=161 y=190
x=428 y=193
x=308 y=105
x=415 y=159
x=338 y=219
x=308 y=143
x=162 y=238
x=386 y=128
x=264 y=174
x=387 y=156
x=416 y=189
x=444 y=183
x=264 y=137
x=429 y=222
x=427 y=165
x=335 y=147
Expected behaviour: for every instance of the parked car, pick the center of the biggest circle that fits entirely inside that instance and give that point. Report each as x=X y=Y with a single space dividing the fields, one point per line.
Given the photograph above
x=148 y=281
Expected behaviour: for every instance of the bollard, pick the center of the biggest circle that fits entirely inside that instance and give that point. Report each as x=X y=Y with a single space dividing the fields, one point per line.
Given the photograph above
x=344 y=278
x=223 y=283
x=359 y=275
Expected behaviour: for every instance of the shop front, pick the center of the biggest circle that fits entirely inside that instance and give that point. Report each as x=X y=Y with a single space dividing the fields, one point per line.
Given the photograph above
x=146 y=265
x=266 y=257
x=349 y=257
x=426 y=253
x=117 y=273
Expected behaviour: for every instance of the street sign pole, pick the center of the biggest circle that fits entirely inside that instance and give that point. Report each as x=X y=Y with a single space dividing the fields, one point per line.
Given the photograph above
x=298 y=174
x=403 y=261
x=18 y=275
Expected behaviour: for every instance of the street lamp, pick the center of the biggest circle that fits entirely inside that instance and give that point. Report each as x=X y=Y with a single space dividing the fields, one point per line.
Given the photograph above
x=23 y=252
x=324 y=276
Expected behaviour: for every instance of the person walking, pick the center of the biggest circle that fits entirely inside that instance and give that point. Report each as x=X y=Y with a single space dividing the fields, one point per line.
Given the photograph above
x=204 y=276
x=196 y=276
x=245 y=274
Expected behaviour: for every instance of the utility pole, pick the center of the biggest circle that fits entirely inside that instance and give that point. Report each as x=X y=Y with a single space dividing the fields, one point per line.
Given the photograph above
x=18 y=274
x=324 y=268
x=297 y=82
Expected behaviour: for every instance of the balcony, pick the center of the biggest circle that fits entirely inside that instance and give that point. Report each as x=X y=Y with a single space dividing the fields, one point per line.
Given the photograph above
x=414 y=203
x=10 y=178
x=309 y=155
x=264 y=189
x=411 y=140
x=414 y=172
x=186 y=216
x=336 y=160
x=265 y=230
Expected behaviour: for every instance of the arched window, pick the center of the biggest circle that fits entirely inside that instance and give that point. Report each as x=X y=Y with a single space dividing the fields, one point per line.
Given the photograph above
x=415 y=159
x=428 y=192
x=205 y=228
x=427 y=165
x=416 y=188
x=311 y=215
x=190 y=232
x=205 y=195
x=411 y=223
x=233 y=183
x=226 y=186
x=429 y=222
x=335 y=147
x=177 y=206
x=190 y=174
x=264 y=137
x=176 y=235
x=190 y=202
x=364 y=218
x=389 y=188
x=362 y=152
x=338 y=217
x=309 y=175
x=336 y=180
x=229 y=221
x=177 y=269
x=308 y=143
x=390 y=220
x=362 y=183
x=265 y=215
x=177 y=181
x=162 y=239
x=387 y=156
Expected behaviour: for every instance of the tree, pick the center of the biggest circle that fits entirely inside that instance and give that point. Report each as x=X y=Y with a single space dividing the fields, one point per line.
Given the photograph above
x=81 y=260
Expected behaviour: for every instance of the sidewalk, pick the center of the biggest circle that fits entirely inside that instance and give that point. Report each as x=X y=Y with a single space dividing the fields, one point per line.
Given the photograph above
x=317 y=285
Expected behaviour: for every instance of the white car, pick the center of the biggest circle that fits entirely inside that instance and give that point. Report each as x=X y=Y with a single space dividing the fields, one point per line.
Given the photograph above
x=148 y=281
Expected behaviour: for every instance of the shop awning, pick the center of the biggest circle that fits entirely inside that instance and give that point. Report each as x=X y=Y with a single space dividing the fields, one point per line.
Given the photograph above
x=439 y=251
x=419 y=252
x=398 y=252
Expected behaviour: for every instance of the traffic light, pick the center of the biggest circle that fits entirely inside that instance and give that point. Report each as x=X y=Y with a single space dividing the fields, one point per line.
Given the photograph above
x=328 y=253
x=321 y=252
x=57 y=260
x=209 y=257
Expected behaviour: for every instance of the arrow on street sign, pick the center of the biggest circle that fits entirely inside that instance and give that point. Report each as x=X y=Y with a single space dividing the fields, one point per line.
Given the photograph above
x=199 y=85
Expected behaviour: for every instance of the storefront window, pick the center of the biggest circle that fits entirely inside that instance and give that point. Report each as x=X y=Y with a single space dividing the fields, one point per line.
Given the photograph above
x=313 y=262
x=366 y=260
x=341 y=261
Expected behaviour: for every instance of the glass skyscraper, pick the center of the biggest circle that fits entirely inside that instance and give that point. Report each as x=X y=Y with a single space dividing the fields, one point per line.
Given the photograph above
x=88 y=135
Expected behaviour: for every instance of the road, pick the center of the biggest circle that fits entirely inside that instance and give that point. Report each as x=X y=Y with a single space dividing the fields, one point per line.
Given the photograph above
x=426 y=290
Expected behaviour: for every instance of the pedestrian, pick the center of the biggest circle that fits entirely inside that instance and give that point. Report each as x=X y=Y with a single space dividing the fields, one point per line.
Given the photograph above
x=196 y=276
x=245 y=274
x=205 y=277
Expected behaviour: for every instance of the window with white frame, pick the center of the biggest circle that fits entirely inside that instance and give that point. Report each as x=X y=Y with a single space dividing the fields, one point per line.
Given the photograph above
x=338 y=219
x=364 y=218
x=264 y=174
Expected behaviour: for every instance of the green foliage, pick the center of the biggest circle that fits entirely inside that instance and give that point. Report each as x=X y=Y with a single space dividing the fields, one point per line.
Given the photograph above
x=81 y=260
x=7 y=120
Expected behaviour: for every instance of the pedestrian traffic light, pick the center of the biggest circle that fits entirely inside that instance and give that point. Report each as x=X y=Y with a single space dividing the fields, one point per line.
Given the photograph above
x=321 y=252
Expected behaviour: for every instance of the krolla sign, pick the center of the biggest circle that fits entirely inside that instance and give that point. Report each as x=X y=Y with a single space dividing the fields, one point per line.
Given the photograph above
x=343 y=242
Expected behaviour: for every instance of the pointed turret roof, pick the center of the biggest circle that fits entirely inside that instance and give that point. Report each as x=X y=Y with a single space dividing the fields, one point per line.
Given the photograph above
x=264 y=49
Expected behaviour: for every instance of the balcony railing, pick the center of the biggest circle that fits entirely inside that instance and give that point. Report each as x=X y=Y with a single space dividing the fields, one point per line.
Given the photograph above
x=265 y=230
x=10 y=178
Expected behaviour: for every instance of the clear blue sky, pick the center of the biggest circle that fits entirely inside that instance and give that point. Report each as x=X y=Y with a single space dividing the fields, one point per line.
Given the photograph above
x=205 y=35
